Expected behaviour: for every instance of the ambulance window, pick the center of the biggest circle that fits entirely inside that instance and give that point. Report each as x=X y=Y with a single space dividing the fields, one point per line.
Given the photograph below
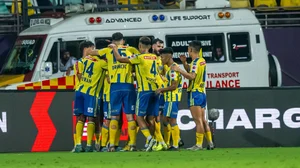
x=71 y=48
x=213 y=49
x=131 y=41
x=239 y=46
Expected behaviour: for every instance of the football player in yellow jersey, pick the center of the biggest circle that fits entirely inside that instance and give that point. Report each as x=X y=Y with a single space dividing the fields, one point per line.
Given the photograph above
x=122 y=91
x=86 y=95
x=78 y=67
x=172 y=92
x=196 y=73
x=147 y=101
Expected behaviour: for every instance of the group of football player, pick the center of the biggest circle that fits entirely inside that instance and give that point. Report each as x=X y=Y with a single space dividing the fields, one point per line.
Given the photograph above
x=105 y=91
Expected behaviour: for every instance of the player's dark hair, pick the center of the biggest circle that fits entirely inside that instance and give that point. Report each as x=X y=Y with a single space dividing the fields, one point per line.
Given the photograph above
x=145 y=41
x=85 y=44
x=167 y=50
x=157 y=40
x=117 y=36
x=102 y=43
x=196 y=45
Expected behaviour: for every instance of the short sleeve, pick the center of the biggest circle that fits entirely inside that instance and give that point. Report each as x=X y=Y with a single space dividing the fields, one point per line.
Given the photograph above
x=135 y=59
x=133 y=50
x=194 y=67
x=104 y=64
x=102 y=52
x=78 y=66
x=173 y=76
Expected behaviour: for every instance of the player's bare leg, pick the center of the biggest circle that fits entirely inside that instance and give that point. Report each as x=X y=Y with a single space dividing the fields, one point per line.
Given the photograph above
x=207 y=130
x=197 y=116
x=146 y=131
x=90 y=133
x=79 y=130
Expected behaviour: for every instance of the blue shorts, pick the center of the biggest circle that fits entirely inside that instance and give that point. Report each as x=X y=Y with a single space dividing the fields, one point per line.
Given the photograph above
x=161 y=102
x=106 y=110
x=196 y=99
x=122 y=94
x=171 y=109
x=85 y=104
x=147 y=104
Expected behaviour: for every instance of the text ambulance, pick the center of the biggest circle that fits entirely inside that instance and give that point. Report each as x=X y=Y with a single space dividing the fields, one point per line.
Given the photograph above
x=232 y=39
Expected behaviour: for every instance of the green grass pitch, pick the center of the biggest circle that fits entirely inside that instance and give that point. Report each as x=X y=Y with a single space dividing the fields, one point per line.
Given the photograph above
x=218 y=158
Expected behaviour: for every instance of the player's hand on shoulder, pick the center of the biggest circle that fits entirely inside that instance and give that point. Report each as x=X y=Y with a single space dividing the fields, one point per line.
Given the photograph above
x=175 y=68
x=112 y=46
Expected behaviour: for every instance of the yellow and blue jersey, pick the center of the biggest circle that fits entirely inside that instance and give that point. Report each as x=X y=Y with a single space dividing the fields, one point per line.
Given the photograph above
x=198 y=66
x=146 y=71
x=175 y=95
x=160 y=69
x=118 y=72
x=93 y=75
x=106 y=90
x=78 y=67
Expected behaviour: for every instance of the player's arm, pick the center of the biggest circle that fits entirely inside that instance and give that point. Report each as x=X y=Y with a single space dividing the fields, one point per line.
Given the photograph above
x=117 y=54
x=100 y=53
x=185 y=64
x=174 y=83
x=189 y=76
x=79 y=68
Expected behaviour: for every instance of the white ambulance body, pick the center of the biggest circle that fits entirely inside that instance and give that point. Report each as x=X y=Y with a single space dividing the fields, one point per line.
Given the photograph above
x=232 y=40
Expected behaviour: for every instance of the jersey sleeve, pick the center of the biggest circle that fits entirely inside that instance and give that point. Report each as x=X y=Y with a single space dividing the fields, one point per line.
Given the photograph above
x=104 y=65
x=78 y=66
x=102 y=52
x=133 y=50
x=194 y=67
x=173 y=76
x=134 y=59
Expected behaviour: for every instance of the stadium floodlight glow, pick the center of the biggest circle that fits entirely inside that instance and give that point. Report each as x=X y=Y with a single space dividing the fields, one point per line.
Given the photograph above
x=162 y=17
x=154 y=17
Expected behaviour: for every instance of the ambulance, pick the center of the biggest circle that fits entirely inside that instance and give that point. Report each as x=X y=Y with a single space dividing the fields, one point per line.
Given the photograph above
x=232 y=41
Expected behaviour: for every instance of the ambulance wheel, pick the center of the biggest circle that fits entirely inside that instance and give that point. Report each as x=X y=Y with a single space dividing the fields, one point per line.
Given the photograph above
x=273 y=76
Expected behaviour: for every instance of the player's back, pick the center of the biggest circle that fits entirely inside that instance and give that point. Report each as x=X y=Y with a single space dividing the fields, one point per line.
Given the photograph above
x=146 y=72
x=93 y=75
x=198 y=66
x=118 y=72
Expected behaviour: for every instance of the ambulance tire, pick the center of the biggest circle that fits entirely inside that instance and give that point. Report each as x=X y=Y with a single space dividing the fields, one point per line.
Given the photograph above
x=273 y=76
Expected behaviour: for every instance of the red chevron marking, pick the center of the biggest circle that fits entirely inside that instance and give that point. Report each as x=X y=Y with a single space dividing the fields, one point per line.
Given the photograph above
x=43 y=122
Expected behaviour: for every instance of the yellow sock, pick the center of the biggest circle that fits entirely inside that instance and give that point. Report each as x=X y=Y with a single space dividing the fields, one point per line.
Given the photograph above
x=208 y=137
x=132 y=132
x=118 y=135
x=175 y=135
x=113 y=128
x=137 y=129
x=97 y=135
x=157 y=132
x=104 y=134
x=79 y=130
x=90 y=133
x=199 y=139
x=146 y=133
x=167 y=134
x=75 y=139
